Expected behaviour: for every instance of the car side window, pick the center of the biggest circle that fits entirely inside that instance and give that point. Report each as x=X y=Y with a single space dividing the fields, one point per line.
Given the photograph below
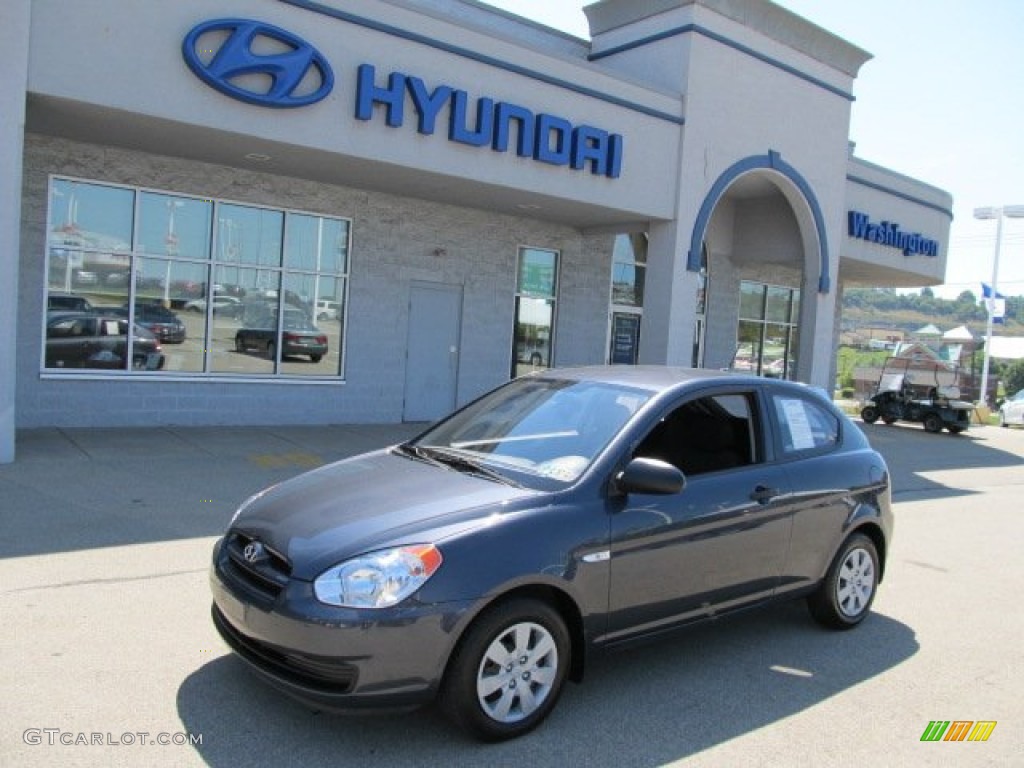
x=708 y=434
x=804 y=425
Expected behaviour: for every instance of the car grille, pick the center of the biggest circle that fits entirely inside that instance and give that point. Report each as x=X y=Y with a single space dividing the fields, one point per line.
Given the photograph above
x=261 y=580
x=317 y=672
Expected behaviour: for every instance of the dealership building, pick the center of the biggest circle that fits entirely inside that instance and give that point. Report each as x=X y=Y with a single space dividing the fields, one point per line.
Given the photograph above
x=376 y=210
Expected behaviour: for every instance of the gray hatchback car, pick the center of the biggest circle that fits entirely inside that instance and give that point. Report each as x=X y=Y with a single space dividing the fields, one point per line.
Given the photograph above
x=485 y=561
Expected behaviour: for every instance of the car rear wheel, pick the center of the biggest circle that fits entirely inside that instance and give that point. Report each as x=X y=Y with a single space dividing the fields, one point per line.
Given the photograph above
x=844 y=598
x=869 y=414
x=316 y=358
x=932 y=422
x=508 y=670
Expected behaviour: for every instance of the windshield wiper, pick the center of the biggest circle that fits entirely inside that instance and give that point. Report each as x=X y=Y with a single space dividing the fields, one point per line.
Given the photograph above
x=459 y=462
x=416 y=452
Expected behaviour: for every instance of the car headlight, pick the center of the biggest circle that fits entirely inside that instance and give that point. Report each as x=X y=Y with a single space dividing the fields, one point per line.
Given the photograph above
x=378 y=579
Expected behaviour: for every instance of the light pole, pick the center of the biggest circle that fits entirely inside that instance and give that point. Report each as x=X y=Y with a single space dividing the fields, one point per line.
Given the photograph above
x=172 y=247
x=997 y=213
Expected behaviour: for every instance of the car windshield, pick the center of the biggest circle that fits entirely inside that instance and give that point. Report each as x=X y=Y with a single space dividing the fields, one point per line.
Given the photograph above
x=536 y=427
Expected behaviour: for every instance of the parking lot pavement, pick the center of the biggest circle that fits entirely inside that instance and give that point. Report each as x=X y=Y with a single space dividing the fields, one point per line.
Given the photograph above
x=106 y=633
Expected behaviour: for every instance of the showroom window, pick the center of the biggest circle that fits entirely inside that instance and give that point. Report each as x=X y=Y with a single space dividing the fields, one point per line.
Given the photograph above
x=629 y=267
x=768 y=336
x=192 y=286
x=536 y=292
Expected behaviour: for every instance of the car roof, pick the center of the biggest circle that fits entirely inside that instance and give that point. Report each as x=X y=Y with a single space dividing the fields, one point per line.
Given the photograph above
x=71 y=314
x=652 y=377
x=661 y=378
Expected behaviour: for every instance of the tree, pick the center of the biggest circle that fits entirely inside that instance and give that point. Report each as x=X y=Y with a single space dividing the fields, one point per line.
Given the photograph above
x=1014 y=379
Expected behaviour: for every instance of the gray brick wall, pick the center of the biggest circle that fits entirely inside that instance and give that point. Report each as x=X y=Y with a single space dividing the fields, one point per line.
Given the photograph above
x=394 y=241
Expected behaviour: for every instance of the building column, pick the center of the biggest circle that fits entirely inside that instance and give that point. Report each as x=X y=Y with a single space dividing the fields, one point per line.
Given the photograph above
x=818 y=331
x=14 y=37
x=670 y=298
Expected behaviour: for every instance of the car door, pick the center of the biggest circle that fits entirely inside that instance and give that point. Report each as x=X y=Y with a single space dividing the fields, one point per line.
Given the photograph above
x=823 y=479
x=1015 y=408
x=718 y=544
x=70 y=341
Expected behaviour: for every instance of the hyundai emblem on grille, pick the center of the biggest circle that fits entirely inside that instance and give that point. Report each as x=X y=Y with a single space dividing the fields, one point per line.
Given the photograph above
x=253 y=551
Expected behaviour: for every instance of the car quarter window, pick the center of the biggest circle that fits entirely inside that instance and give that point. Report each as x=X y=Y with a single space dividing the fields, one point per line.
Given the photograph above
x=707 y=434
x=804 y=425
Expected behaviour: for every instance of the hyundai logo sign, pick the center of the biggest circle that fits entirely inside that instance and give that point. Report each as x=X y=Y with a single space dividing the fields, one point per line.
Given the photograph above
x=265 y=65
x=223 y=53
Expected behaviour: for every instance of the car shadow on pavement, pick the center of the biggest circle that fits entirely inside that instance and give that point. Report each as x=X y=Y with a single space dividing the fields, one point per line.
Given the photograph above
x=645 y=706
x=913 y=454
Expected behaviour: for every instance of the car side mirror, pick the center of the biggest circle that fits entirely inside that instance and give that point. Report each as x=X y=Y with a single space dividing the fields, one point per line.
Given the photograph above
x=652 y=476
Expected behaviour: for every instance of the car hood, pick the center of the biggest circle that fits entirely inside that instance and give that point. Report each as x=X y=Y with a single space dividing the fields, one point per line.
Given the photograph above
x=379 y=499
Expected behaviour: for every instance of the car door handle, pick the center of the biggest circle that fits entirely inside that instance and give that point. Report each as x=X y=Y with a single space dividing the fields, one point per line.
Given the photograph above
x=762 y=494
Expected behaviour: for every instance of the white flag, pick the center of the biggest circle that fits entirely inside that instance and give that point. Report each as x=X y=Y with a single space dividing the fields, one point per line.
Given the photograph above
x=996 y=308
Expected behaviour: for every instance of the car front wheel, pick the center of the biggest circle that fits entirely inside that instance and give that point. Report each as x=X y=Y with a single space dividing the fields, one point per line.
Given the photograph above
x=844 y=598
x=508 y=670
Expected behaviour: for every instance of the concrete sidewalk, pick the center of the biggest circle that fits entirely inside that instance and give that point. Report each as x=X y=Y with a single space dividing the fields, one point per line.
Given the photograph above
x=322 y=443
x=72 y=489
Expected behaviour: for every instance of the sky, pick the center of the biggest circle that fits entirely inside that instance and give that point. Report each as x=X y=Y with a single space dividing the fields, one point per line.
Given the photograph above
x=942 y=101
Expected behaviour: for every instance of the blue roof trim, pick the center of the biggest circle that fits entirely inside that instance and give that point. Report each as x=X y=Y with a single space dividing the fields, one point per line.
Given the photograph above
x=415 y=37
x=901 y=195
x=773 y=161
x=696 y=28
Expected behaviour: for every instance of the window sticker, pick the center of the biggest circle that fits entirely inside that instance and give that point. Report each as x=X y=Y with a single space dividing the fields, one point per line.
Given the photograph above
x=795 y=413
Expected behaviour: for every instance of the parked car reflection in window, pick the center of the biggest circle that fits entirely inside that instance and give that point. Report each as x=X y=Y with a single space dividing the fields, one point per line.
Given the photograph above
x=86 y=340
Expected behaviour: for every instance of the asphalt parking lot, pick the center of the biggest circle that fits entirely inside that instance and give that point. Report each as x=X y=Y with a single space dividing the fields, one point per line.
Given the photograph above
x=106 y=633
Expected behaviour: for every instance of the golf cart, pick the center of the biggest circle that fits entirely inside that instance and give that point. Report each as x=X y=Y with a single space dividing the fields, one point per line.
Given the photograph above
x=916 y=394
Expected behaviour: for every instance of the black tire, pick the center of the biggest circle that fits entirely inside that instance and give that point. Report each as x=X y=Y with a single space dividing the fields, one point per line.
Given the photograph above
x=869 y=414
x=535 y=359
x=844 y=598
x=932 y=422
x=955 y=429
x=889 y=419
x=239 y=344
x=316 y=358
x=485 y=698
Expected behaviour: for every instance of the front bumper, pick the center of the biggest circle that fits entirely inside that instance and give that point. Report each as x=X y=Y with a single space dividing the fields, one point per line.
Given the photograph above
x=330 y=658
